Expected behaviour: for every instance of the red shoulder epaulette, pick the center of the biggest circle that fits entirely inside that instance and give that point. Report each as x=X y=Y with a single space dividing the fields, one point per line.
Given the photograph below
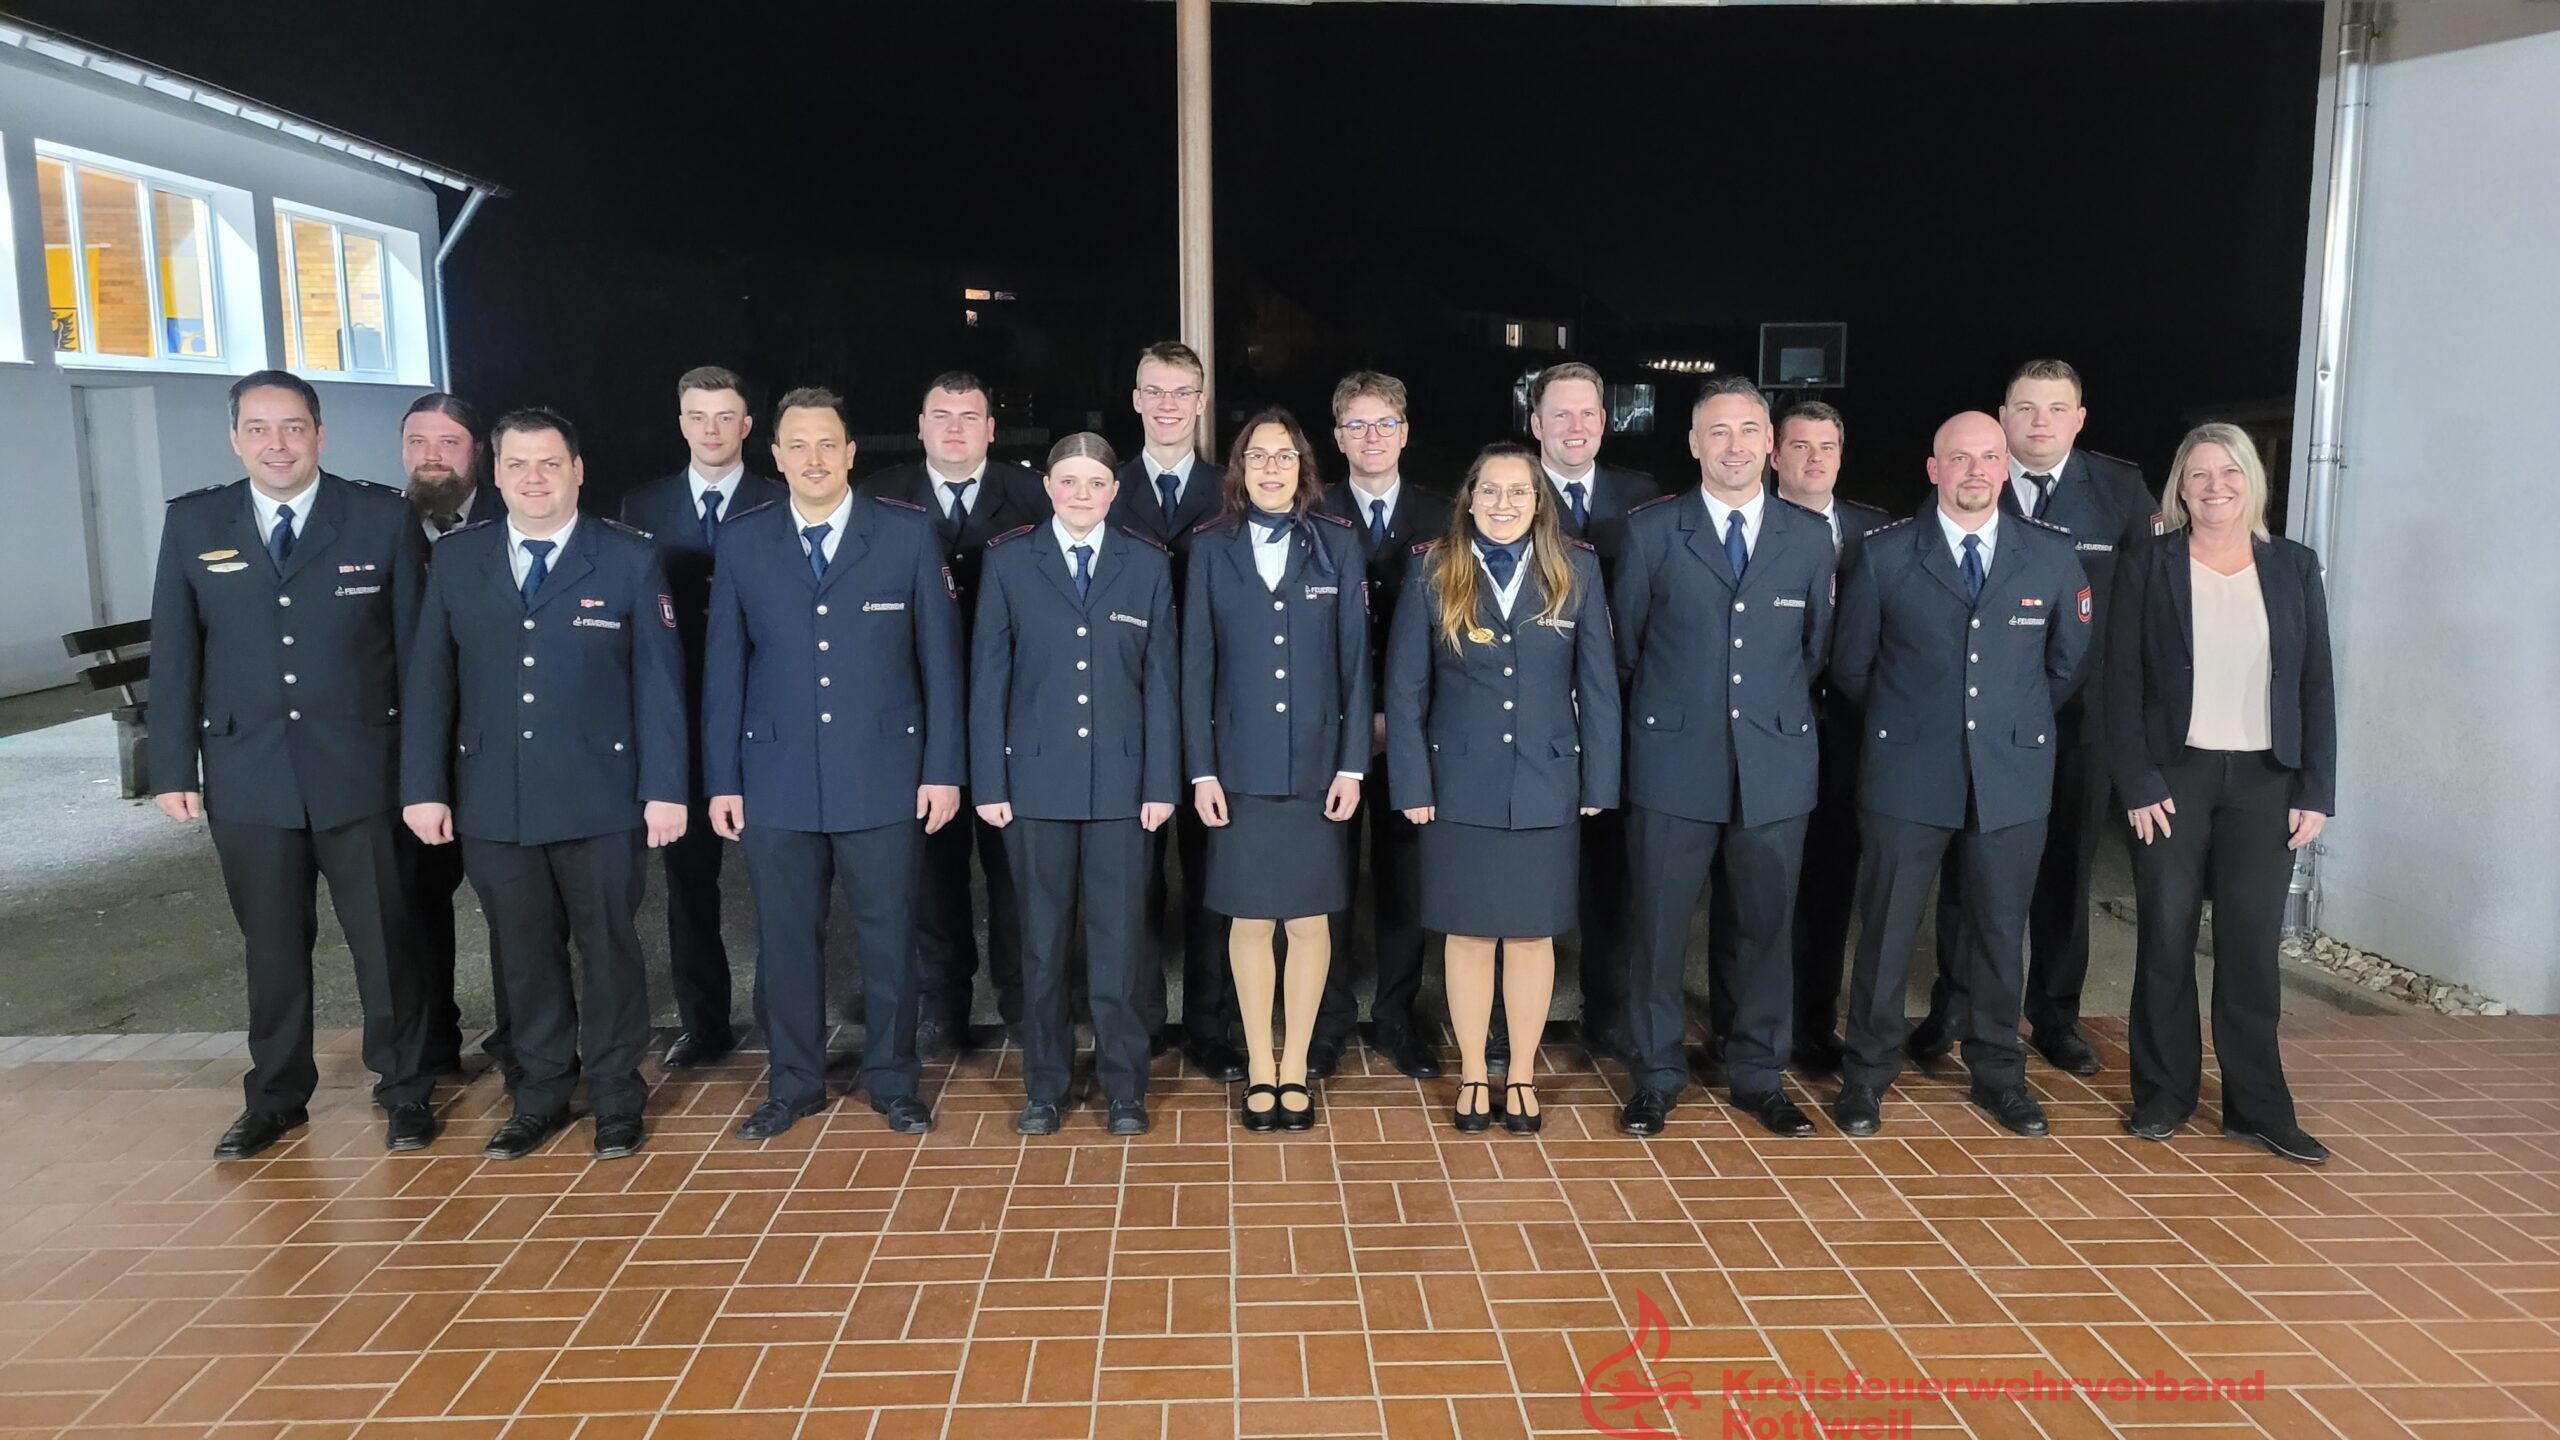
x=1209 y=524
x=1329 y=515
x=1656 y=500
x=901 y=504
x=1016 y=533
x=1144 y=539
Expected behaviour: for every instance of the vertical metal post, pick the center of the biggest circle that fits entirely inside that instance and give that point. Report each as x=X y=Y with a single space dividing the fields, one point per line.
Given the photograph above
x=1199 y=295
x=444 y=340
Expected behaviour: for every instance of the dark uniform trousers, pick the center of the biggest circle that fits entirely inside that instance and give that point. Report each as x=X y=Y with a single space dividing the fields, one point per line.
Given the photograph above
x=589 y=891
x=1101 y=865
x=1826 y=894
x=435 y=875
x=1758 y=864
x=1898 y=868
x=2057 y=926
x=1394 y=867
x=946 y=931
x=697 y=958
x=791 y=871
x=272 y=875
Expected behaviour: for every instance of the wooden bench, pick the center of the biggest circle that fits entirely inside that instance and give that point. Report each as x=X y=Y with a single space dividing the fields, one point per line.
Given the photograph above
x=124 y=667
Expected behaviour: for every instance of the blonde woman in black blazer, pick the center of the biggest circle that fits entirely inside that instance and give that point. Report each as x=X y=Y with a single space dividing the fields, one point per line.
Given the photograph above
x=2222 y=735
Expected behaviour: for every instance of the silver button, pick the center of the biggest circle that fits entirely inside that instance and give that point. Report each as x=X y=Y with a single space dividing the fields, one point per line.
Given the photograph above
x=824 y=681
x=822 y=645
x=1080 y=664
x=1975 y=623
x=1079 y=631
x=1506 y=669
x=1737 y=714
x=528 y=734
x=1279 y=639
x=288 y=639
x=293 y=714
x=284 y=599
x=1880 y=735
x=207 y=724
x=1968 y=724
x=825 y=719
x=528 y=624
x=1082 y=733
x=1737 y=605
x=822 y=609
x=1506 y=739
x=617 y=747
x=1737 y=642
x=1279 y=674
x=528 y=661
x=911 y=729
x=2039 y=739
x=1648 y=719
x=1280 y=708
x=528 y=697
x=1737 y=679
x=1084 y=699
x=1506 y=704
x=288 y=679
x=1974 y=659
x=1971 y=691
x=1279 y=604
x=1506 y=639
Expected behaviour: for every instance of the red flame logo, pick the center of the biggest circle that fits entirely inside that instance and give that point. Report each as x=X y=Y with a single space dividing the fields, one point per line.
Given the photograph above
x=1615 y=1391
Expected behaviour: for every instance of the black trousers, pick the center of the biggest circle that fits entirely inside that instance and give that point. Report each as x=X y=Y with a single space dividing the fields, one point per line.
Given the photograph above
x=1395 y=927
x=1100 y=866
x=434 y=874
x=1898 y=867
x=697 y=959
x=1670 y=858
x=791 y=871
x=2227 y=843
x=1606 y=946
x=2058 y=915
x=1208 y=986
x=946 y=932
x=540 y=899
x=1826 y=891
x=273 y=878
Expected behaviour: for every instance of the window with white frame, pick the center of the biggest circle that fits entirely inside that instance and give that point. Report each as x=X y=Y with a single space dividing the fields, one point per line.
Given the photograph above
x=336 y=282
x=130 y=268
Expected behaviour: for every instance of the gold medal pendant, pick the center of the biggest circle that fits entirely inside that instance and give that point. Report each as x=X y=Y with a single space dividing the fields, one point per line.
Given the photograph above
x=1480 y=635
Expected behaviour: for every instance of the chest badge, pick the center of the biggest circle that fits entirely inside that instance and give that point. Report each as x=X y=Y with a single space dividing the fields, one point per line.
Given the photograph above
x=227 y=566
x=219 y=555
x=1480 y=635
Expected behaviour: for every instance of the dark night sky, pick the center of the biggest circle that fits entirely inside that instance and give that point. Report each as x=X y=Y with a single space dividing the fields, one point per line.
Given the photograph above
x=773 y=186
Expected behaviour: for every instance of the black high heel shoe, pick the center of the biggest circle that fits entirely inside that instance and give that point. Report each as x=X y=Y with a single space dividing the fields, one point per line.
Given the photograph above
x=1517 y=1121
x=1297 y=1119
x=1473 y=1122
x=1261 y=1121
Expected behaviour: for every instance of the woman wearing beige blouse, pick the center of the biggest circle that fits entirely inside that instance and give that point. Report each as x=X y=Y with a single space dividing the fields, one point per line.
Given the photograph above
x=2223 y=739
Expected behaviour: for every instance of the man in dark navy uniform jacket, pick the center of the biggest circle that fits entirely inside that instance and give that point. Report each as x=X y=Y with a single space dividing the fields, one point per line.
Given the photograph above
x=832 y=724
x=1165 y=494
x=1724 y=618
x=283 y=605
x=971 y=499
x=1391 y=517
x=1569 y=416
x=546 y=730
x=683 y=513
x=2105 y=507
x=1960 y=635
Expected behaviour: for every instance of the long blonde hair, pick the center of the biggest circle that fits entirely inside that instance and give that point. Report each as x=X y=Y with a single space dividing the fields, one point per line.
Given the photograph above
x=1451 y=561
x=2173 y=506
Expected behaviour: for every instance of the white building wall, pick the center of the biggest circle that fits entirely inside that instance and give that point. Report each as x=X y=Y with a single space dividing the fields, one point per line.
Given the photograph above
x=2444 y=577
x=181 y=424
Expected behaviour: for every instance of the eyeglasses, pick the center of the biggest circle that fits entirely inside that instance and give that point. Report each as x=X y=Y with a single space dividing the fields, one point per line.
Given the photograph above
x=1383 y=429
x=1157 y=394
x=1269 y=459
x=1517 y=495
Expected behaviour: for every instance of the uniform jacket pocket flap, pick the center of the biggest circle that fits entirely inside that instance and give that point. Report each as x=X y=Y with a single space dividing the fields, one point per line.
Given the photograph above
x=902 y=721
x=1450 y=744
x=1565 y=746
x=215 y=725
x=467 y=742
x=2031 y=736
x=760 y=729
x=1657 y=717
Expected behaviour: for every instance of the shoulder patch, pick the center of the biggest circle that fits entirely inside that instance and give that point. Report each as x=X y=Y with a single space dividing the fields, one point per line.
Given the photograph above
x=1328 y=515
x=1847 y=503
x=2118 y=459
x=206 y=490
x=1649 y=504
x=1016 y=533
x=1142 y=538
x=900 y=504
x=1423 y=547
x=377 y=485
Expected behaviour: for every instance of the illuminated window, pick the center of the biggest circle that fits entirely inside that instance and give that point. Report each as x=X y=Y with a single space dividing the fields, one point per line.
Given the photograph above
x=128 y=264
x=1511 y=334
x=336 y=294
x=974 y=293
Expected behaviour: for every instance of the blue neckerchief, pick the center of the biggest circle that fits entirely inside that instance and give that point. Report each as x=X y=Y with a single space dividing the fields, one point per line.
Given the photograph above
x=1271 y=525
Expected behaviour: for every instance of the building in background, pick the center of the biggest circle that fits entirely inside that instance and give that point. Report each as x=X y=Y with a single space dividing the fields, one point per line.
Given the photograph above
x=160 y=238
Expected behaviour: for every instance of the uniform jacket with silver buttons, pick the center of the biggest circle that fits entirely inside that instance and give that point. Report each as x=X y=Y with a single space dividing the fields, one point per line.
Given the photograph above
x=1275 y=683
x=1075 y=710
x=552 y=721
x=826 y=703
x=2107 y=510
x=1719 y=674
x=1518 y=731
x=666 y=511
x=287 y=686
x=1957 y=694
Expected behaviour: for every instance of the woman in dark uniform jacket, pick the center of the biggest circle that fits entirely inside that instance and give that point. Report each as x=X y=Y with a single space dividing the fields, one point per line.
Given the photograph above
x=1502 y=730
x=2222 y=734
x=1275 y=707
x=1073 y=755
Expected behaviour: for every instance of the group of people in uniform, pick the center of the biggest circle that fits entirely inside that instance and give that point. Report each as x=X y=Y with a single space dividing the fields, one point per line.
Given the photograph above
x=1564 y=702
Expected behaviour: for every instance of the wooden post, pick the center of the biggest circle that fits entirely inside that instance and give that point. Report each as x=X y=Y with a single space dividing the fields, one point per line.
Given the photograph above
x=1199 y=295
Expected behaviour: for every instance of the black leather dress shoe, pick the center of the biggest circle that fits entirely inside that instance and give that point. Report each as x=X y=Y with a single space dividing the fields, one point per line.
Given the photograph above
x=690 y=1051
x=936 y=1041
x=1818 y=1055
x=2068 y=1051
x=1930 y=1041
x=1039 y=1117
x=1857 y=1110
x=2288 y=1143
x=1775 y=1112
x=775 y=1116
x=1323 y=1060
x=523 y=1134
x=619 y=1135
x=255 y=1130
x=1644 y=1113
x=1216 y=1059
x=1129 y=1117
x=907 y=1115
x=411 y=1127
x=2154 y=1124
x=1413 y=1058
x=1303 y=1118
x=2012 y=1107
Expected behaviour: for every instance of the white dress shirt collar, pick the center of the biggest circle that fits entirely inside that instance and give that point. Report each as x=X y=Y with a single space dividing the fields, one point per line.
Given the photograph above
x=834 y=521
x=1361 y=500
x=1503 y=594
x=1750 y=510
x=520 y=560
x=1590 y=483
x=1067 y=544
x=1989 y=535
x=943 y=485
x=2018 y=472
x=726 y=484
x=1180 y=471
x=266 y=506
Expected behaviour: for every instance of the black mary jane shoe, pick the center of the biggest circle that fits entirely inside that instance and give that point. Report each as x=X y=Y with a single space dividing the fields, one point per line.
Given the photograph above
x=1297 y=1119
x=1517 y=1120
x=1259 y=1121
x=1473 y=1122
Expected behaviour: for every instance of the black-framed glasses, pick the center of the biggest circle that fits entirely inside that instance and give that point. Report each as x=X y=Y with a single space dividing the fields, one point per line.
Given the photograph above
x=1384 y=429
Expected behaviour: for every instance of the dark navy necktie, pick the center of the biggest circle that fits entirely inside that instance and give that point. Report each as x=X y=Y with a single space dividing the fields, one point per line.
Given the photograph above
x=1502 y=562
x=1973 y=566
x=1084 y=569
x=2044 y=493
x=710 y=518
x=1736 y=553
x=1377 y=523
x=280 y=539
x=959 y=514
x=540 y=550
x=816 y=535
x=1169 y=490
x=1581 y=512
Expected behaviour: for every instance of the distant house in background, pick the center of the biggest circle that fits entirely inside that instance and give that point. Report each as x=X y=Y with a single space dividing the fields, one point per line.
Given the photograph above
x=160 y=238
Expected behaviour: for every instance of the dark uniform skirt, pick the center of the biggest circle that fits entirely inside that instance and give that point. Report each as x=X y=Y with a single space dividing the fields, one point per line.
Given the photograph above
x=1480 y=881
x=1278 y=858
